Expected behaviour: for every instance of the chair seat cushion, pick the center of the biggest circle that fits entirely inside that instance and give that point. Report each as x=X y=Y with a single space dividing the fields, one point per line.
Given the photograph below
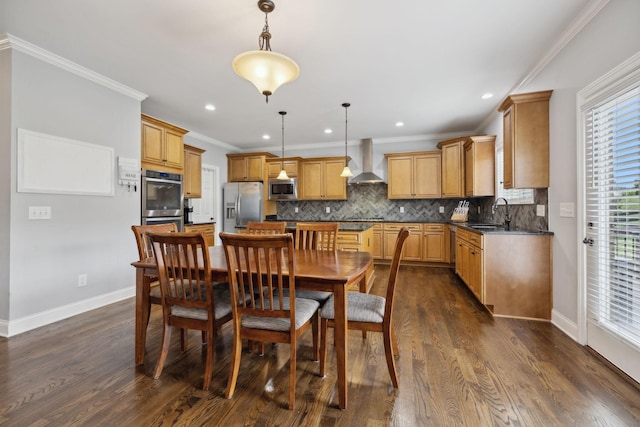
x=360 y=308
x=305 y=310
x=155 y=291
x=222 y=305
x=320 y=296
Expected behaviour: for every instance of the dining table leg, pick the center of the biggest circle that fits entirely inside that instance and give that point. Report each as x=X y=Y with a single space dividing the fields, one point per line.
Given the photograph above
x=340 y=336
x=143 y=283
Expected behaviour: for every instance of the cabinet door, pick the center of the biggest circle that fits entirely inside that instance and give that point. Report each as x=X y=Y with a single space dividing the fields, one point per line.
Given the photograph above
x=192 y=174
x=174 y=149
x=452 y=172
x=400 y=178
x=434 y=247
x=311 y=185
x=255 y=168
x=237 y=169
x=335 y=186
x=468 y=171
x=152 y=147
x=426 y=181
x=376 y=243
x=412 y=250
x=475 y=272
x=507 y=167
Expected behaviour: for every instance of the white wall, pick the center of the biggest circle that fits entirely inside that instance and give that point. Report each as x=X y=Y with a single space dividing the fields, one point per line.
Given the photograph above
x=5 y=179
x=610 y=38
x=87 y=234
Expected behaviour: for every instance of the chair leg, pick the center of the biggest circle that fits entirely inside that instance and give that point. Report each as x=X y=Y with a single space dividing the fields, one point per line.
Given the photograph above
x=208 y=370
x=236 y=353
x=324 y=326
x=204 y=337
x=388 y=352
x=315 y=324
x=394 y=342
x=183 y=339
x=292 y=374
x=164 y=349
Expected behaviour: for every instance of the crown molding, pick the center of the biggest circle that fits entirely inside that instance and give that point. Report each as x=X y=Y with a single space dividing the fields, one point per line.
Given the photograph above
x=7 y=41
x=212 y=141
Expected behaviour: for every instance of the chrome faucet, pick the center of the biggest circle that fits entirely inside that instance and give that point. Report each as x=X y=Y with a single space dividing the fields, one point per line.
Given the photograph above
x=507 y=217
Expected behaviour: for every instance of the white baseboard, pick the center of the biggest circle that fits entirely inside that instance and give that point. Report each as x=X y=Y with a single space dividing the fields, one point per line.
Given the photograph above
x=18 y=326
x=564 y=324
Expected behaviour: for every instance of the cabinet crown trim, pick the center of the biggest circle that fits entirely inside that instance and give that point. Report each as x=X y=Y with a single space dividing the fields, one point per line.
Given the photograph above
x=525 y=97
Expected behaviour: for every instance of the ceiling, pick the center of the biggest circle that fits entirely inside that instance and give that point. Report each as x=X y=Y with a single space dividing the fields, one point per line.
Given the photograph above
x=423 y=62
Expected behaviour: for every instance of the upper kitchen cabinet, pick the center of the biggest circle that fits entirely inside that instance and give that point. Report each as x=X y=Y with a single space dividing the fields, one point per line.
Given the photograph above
x=452 y=167
x=274 y=166
x=162 y=145
x=526 y=140
x=247 y=166
x=320 y=179
x=479 y=166
x=192 y=180
x=414 y=175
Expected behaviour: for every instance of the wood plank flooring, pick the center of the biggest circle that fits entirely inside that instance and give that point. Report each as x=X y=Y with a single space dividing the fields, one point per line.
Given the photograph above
x=457 y=367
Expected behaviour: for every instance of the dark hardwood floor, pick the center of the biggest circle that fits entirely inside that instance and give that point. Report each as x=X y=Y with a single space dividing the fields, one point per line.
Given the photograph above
x=457 y=367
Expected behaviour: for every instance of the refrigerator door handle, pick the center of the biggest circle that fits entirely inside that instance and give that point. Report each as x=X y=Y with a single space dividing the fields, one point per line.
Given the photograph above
x=237 y=208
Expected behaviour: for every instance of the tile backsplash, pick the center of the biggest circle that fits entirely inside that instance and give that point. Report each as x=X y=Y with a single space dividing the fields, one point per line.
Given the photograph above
x=370 y=201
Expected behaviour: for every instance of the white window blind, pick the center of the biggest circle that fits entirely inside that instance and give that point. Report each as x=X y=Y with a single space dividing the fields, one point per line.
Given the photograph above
x=515 y=196
x=612 y=199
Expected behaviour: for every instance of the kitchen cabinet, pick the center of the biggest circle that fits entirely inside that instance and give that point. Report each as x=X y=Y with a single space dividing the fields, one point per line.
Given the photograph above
x=414 y=175
x=452 y=167
x=509 y=273
x=376 y=242
x=247 y=167
x=434 y=243
x=162 y=145
x=274 y=166
x=412 y=250
x=209 y=231
x=526 y=140
x=192 y=179
x=320 y=179
x=479 y=166
x=358 y=241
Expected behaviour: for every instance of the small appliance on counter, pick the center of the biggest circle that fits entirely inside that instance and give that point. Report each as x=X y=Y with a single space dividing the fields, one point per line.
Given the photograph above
x=188 y=212
x=461 y=212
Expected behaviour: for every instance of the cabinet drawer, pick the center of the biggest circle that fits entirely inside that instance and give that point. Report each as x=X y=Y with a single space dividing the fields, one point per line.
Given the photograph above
x=476 y=239
x=348 y=237
x=434 y=228
x=396 y=227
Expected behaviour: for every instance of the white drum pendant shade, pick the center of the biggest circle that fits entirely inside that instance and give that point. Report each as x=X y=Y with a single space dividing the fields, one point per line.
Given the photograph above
x=265 y=69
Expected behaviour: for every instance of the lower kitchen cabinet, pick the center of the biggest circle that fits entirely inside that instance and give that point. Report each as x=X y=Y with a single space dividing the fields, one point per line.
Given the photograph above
x=376 y=242
x=358 y=241
x=434 y=243
x=509 y=273
x=209 y=231
x=412 y=250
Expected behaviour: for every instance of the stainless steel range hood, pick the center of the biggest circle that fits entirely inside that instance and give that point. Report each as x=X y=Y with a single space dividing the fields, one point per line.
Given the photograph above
x=367 y=176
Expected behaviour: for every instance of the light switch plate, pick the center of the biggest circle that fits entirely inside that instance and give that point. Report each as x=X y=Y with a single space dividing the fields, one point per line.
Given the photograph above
x=567 y=210
x=540 y=211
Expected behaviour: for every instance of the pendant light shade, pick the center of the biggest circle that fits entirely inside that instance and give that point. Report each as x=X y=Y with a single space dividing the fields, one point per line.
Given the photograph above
x=283 y=172
x=267 y=70
x=346 y=172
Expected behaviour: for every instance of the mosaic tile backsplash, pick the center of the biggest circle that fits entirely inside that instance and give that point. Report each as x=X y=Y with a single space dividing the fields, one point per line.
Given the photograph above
x=370 y=201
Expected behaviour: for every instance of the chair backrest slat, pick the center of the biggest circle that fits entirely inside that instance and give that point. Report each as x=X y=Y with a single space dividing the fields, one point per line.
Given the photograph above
x=393 y=270
x=142 y=240
x=266 y=227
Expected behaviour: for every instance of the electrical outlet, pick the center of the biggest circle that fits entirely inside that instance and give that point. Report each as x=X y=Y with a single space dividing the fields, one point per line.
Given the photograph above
x=441 y=209
x=82 y=280
x=295 y=209
x=327 y=209
x=39 y=212
x=401 y=209
x=540 y=211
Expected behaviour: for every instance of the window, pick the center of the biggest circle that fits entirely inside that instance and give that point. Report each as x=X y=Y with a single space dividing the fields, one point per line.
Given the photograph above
x=515 y=196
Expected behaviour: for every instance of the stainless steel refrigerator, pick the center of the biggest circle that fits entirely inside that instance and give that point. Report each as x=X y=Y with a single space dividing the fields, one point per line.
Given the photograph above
x=242 y=203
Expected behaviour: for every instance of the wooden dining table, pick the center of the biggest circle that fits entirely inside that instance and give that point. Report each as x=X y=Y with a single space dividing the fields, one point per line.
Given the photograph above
x=332 y=271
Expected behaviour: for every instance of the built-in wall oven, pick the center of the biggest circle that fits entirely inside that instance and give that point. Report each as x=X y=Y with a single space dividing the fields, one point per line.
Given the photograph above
x=162 y=199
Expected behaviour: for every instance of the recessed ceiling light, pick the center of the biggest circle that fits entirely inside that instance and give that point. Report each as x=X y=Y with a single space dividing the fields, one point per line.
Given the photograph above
x=399 y=124
x=265 y=136
x=487 y=95
x=209 y=107
x=328 y=131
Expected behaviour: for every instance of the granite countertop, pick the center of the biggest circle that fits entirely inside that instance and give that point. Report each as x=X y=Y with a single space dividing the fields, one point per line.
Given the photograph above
x=485 y=228
x=344 y=226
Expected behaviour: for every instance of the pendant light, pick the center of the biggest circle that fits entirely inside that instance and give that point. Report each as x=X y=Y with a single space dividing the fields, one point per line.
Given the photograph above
x=346 y=172
x=265 y=69
x=283 y=173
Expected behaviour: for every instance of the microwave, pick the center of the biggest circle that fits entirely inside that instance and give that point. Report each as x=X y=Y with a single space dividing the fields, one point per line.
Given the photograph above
x=283 y=189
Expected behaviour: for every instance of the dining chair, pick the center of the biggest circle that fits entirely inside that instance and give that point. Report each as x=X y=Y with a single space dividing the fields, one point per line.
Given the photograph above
x=146 y=251
x=255 y=262
x=366 y=312
x=266 y=227
x=189 y=298
x=316 y=236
